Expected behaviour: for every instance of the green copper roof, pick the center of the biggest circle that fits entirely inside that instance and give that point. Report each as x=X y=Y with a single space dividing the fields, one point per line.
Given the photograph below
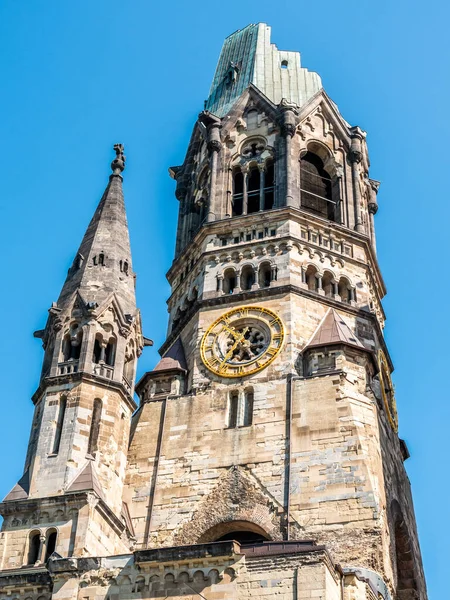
x=248 y=57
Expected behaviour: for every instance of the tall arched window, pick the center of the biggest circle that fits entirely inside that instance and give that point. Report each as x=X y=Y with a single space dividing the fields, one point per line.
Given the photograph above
x=253 y=190
x=327 y=284
x=34 y=547
x=248 y=408
x=265 y=275
x=50 y=544
x=311 y=279
x=316 y=187
x=269 y=186
x=233 y=409
x=59 y=424
x=344 y=290
x=247 y=277
x=95 y=426
x=229 y=281
x=238 y=193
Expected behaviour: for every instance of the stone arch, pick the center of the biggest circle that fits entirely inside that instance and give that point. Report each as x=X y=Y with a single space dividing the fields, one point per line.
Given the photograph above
x=237 y=530
x=235 y=498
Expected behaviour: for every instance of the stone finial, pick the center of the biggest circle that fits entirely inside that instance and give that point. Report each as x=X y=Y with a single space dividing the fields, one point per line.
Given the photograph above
x=118 y=164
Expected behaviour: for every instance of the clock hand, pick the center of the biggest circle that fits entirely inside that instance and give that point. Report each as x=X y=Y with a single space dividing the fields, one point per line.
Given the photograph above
x=233 y=348
x=232 y=331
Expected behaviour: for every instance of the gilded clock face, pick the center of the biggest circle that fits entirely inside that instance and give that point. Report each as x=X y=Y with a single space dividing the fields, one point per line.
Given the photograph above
x=387 y=390
x=242 y=341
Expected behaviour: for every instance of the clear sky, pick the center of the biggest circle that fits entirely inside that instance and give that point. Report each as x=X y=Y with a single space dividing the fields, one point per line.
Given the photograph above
x=76 y=77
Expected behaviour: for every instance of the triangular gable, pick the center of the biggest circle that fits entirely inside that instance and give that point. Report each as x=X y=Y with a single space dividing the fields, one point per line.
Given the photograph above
x=21 y=490
x=262 y=103
x=330 y=112
x=334 y=330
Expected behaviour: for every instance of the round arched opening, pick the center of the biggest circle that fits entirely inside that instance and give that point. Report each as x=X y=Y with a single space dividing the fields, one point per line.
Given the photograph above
x=243 y=532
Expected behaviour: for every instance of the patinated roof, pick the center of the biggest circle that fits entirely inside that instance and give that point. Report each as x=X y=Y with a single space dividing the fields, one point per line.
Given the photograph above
x=249 y=57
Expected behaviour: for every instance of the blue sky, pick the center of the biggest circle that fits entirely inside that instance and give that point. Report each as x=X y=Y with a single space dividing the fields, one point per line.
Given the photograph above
x=79 y=76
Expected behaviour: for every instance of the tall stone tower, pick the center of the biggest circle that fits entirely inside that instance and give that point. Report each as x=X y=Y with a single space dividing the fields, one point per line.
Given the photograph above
x=264 y=458
x=70 y=496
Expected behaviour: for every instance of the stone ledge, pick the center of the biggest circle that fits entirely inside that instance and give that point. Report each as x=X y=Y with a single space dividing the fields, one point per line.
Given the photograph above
x=187 y=553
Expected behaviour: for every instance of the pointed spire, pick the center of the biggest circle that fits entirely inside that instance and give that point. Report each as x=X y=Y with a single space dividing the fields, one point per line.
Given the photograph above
x=102 y=264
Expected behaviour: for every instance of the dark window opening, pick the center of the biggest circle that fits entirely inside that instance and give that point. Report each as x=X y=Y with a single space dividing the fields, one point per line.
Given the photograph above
x=248 y=409
x=316 y=187
x=265 y=276
x=110 y=354
x=95 y=427
x=229 y=282
x=253 y=193
x=284 y=64
x=247 y=278
x=238 y=193
x=243 y=537
x=233 y=411
x=269 y=187
x=35 y=546
x=101 y=259
x=51 y=544
x=97 y=351
x=59 y=424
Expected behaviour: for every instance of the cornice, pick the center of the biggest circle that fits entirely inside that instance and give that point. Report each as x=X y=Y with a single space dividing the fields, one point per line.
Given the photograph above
x=82 y=376
x=296 y=214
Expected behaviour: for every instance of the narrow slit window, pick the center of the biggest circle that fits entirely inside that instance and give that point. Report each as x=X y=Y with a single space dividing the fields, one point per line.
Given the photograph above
x=95 y=427
x=248 y=409
x=59 y=424
x=233 y=411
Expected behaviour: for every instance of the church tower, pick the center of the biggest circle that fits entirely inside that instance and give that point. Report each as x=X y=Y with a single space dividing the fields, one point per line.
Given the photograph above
x=273 y=404
x=69 y=499
x=263 y=460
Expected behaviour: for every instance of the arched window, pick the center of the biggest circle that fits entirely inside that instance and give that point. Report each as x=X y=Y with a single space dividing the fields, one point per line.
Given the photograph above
x=97 y=351
x=248 y=408
x=247 y=277
x=50 y=544
x=71 y=346
x=316 y=187
x=59 y=424
x=233 y=409
x=101 y=259
x=238 y=193
x=344 y=290
x=269 y=186
x=229 y=281
x=253 y=190
x=327 y=284
x=265 y=275
x=110 y=352
x=95 y=426
x=34 y=547
x=311 y=279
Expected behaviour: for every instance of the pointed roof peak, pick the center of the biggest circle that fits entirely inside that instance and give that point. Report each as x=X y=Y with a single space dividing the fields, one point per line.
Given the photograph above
x=86 y=480
x=102 y=265
x=334 y=330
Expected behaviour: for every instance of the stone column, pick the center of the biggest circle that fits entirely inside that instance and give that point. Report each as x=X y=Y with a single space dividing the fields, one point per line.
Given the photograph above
x=355 y=156
x=262 y=176
x=42 y=550
x=220 y=284
x=244 y=190
x=214 y=147
x=319 y=284
x=288 y=128
x=238 y=283
x=334 y=283
x=373 y=208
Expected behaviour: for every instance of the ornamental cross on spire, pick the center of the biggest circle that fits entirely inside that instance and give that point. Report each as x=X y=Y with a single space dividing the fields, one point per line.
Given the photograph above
x=118 y=164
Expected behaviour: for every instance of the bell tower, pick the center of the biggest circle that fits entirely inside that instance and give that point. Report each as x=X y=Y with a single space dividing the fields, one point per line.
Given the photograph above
x=69 y=499
x=273 y=408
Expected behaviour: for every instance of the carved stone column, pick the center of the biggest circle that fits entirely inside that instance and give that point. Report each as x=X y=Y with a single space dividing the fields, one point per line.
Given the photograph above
x=355 y=156
x=244 y=189
x=214 y=146
x=373 y=208
x=262 y=177
x=288 y=128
